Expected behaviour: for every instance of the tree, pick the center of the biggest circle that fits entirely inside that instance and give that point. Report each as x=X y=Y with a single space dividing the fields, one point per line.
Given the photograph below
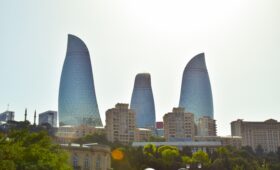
x=99 y=138
x=22 y=150
x=201 y=157
x=156 y=139
x=150 y=150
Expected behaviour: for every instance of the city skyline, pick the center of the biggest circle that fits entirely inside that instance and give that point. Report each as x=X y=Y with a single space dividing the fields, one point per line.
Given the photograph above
x=240 y=41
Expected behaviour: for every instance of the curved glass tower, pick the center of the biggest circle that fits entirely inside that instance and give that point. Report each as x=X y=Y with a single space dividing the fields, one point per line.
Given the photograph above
x=77 y=103
x=196 y=93
x=142 y=101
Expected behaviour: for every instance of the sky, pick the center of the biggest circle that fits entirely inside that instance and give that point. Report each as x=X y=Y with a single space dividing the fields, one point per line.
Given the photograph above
x=240 y=39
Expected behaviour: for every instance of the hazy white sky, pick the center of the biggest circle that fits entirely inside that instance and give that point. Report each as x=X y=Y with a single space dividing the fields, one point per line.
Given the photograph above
x=240 y=38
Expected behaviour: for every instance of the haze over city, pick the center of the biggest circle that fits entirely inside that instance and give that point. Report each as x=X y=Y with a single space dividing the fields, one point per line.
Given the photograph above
x=240 y=41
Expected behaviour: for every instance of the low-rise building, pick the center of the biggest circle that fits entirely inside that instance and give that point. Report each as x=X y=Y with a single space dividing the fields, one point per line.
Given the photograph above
x=7 y=115
x=235 y=141
x=266 y=134
x=48 y=117
x=143 y=134
x=159 y=130
x=89 y=156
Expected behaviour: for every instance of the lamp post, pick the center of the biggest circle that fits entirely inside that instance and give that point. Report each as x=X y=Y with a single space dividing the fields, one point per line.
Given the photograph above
x=188 y=166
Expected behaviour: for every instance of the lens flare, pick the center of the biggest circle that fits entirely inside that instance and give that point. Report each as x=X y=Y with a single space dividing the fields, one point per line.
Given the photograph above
x=117 y=154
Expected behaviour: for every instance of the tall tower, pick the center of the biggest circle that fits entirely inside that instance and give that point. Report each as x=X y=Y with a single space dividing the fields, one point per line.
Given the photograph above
x=77 y=103
x=142 y=101
x=196 y=93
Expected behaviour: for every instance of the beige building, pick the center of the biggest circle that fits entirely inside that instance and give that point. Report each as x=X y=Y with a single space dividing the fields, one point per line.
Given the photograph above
x=178 y=125
x=266 y=134
x=143 y=135
x=67 y=133
x=120 y=124
x=89 y=156
x=206 y=126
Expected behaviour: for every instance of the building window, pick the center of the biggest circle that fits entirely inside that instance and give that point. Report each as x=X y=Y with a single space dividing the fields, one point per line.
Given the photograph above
x=75 y=160
x=86 y=162
x=98 y=162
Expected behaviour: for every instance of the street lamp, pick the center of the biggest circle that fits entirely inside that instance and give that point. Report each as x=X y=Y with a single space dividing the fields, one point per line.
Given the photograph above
x=188 y=166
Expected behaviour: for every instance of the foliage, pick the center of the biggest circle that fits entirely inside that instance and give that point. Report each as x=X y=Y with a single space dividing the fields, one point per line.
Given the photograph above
x=22 y=150
x=156 y=139
x=94 y=138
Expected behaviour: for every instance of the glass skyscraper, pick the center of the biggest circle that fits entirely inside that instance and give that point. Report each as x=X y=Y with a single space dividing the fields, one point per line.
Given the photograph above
x=196 y=93
x=77 y=103
x=142 y=101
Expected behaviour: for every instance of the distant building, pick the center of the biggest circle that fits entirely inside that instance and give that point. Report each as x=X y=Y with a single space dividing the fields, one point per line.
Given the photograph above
x=68 y=133
x=49 y=117
x=206 y=126
x=120 y=124
x=196 y=94
x=159 y=131
x=142 y=101
x=159 y=125
x=179 y=125
x=266 y=134
x=77 y=104
x=89 y=156
x=143 y=134
x=7 y=115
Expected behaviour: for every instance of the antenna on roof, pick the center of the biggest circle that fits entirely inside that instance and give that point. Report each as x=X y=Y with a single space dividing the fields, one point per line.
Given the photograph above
x=8 y=105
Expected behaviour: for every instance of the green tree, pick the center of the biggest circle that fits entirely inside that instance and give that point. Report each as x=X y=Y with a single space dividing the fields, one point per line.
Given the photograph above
x=201 y=157
x=99 y=138
x=150 y=150
x=22 y=150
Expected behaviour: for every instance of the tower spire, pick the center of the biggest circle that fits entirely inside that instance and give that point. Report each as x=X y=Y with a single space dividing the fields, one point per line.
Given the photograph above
x=25 y=114
x=35 y=117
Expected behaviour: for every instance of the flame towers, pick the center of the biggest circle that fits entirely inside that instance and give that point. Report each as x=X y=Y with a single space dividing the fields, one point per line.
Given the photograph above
x=196 y=93
x=77 y=103
x=142 y=101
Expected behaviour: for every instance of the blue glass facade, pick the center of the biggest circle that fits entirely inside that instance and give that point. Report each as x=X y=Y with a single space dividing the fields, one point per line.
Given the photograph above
x=196 y=93
x=77 y=103
x=142 y=101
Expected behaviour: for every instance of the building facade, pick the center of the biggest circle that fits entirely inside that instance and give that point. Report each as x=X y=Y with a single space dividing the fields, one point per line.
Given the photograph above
x=159 y=131
x=77 y=102
x=89 y=156
x=143 y=134
x=206 y=126
x=7 y=115
x=49 y=117
x=120 y=124
x=266 y=134
x=142 y=101
x=235 y=141
x=196 y=93
x=179 y=125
